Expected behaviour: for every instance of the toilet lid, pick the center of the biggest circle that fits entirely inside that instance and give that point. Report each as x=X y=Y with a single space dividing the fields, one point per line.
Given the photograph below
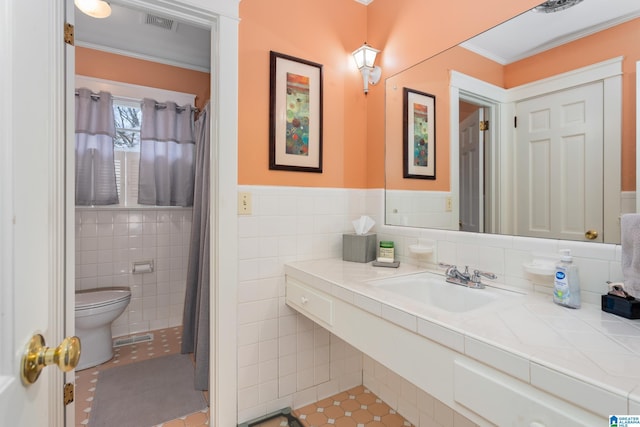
x=95 y=299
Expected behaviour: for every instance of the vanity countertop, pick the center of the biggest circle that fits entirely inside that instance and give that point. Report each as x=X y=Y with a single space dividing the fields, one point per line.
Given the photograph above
x=585 y=353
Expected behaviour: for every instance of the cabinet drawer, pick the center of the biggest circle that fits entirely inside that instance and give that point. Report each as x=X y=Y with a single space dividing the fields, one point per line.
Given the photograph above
x=506 y=401
x=309 y=302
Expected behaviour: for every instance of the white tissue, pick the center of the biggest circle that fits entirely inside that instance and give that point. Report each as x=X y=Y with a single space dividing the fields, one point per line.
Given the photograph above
x=363 y=224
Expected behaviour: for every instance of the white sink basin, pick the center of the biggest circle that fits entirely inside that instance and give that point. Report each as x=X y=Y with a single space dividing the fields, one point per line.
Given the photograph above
x=432 y=290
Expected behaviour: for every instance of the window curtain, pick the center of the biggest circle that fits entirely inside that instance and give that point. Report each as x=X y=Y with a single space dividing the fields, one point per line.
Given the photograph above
x=95 y=130
x=195 y=333
x=166 y=155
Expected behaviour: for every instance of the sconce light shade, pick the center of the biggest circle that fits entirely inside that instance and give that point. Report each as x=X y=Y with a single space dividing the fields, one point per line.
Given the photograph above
x=365 y=57
x=94 y=8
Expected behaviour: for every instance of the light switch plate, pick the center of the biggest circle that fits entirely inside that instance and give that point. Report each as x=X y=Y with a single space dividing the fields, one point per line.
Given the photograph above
x=244 y=203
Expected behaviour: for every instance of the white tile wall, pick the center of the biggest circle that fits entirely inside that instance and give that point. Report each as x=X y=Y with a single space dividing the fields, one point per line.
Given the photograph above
x=284 y=359
x=417 y=406
x=291 y=223
x=109 y=240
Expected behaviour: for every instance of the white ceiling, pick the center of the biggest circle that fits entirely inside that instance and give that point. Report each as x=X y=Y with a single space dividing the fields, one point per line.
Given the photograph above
x=187 y=45
x=126 y=31
x=534 y=32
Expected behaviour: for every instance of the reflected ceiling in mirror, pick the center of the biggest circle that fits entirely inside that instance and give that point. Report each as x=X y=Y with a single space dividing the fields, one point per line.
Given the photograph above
x=549 y=44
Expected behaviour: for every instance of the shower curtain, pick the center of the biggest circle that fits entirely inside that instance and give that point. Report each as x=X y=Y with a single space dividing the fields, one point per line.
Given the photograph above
x=195 y=335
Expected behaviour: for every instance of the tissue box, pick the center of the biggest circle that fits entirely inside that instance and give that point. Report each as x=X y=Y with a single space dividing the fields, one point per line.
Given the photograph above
x=359 y=247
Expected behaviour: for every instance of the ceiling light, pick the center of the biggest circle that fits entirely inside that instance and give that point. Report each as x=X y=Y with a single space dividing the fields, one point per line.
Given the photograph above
x=94 y=8
x=555 y=5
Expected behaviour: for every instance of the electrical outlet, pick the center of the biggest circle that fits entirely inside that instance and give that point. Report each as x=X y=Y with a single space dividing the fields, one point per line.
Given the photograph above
x=244 y=203
x=448 y=204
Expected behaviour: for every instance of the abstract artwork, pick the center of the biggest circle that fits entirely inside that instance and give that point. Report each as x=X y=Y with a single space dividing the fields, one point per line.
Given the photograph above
x=419 y=142
x=295 y=133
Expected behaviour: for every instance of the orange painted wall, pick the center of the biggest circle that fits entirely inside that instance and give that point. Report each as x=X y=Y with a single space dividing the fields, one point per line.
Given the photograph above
x=431 y=77
x=621 y=40
x=410 y=31
x=326 y=32
x=109 y=66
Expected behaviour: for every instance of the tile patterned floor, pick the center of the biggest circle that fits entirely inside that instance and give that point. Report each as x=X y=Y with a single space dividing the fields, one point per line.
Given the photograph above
x=165 y=342
x=357 y=407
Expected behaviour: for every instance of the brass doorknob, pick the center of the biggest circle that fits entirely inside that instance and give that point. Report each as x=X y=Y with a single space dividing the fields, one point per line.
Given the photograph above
x=591 y=234
x=37 y=356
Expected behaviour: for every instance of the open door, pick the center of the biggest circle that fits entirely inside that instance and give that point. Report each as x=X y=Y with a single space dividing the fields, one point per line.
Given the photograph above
x=471 y=172
x=32 y=141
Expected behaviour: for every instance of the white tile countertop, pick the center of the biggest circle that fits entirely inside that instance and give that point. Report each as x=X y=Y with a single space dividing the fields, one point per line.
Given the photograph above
x=585 y=353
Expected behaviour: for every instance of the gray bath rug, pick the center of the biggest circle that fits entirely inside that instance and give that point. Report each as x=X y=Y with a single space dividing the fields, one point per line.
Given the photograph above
x=146 y=393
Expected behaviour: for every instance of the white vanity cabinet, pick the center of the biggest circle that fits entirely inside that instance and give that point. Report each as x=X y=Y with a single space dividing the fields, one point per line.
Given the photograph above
x=481 y=393
x=506 y=401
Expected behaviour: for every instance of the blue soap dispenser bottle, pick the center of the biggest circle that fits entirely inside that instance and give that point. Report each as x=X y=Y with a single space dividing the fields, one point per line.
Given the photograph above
x=566 y=283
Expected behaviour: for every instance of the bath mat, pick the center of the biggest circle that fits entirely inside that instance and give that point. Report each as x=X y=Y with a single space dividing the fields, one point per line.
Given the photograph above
x=146 y=393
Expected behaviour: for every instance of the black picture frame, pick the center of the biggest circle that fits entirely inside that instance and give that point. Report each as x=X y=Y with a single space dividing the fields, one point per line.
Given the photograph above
x=419 y=134
x=295 y=114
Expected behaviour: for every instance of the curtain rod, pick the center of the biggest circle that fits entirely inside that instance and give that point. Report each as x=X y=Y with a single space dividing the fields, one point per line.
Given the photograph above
x=159 y=105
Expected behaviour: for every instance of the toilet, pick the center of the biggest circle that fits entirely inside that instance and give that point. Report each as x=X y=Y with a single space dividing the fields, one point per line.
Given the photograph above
x=95 y=310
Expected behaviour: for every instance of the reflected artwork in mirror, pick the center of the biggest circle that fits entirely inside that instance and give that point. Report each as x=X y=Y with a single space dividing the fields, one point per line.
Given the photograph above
x=535 y=138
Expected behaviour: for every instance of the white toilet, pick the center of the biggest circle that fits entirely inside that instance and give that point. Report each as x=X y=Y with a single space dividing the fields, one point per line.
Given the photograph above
x=95 y=310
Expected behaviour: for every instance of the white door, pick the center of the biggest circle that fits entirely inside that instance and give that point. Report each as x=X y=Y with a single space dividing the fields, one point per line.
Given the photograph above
x=559 y=165
x=471 y=155
x=31 y=204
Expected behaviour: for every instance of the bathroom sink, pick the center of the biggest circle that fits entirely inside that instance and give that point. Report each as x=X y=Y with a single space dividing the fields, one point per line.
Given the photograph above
x=432 y=290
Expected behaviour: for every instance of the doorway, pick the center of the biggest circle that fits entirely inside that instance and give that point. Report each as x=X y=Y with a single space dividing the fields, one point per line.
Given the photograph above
x=476 y=154
x=225 y=265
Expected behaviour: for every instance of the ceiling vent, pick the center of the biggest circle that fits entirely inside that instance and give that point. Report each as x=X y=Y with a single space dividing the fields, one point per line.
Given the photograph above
x=159 y=21
x=555 y=5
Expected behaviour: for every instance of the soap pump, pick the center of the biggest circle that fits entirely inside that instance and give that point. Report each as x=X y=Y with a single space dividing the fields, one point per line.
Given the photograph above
x=566 y=284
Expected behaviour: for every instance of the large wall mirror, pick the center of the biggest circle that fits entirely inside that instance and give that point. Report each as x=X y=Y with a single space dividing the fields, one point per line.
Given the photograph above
x=533 y=128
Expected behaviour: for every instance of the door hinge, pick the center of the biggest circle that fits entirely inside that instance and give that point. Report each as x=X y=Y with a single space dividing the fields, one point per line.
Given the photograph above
x=68 y=392
x=68 y=34
x=484 y=125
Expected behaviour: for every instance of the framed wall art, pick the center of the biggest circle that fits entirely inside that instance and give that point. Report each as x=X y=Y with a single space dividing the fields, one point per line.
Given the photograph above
x=295 y=113
x=419 y=134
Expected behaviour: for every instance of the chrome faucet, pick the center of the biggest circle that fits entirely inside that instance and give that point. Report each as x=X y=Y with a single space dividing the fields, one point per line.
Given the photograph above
x=457 y=277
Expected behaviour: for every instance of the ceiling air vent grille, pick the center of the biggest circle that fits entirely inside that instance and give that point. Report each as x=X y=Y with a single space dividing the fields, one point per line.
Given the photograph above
x=159 y=21
x=555 y=5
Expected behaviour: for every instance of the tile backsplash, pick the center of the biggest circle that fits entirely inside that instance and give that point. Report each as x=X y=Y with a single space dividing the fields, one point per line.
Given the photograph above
x=109 y=240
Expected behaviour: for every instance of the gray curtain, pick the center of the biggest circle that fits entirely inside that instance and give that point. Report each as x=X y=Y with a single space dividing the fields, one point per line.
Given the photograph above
x=95 y=130
x=166 y=155
x=195 y=335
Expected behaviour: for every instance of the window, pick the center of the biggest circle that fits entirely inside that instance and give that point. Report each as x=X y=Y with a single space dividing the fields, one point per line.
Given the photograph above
x=127 y=100
x=128 y=116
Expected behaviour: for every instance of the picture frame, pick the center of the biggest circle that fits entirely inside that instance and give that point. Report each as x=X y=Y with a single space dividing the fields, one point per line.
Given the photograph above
x=419 y=134
x=295 y=114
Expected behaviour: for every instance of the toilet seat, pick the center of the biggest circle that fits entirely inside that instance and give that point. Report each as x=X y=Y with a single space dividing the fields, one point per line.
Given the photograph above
x=95 y=299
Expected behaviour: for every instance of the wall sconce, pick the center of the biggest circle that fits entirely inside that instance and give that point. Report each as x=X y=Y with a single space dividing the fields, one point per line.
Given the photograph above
x=365 y=56
x=94 y=8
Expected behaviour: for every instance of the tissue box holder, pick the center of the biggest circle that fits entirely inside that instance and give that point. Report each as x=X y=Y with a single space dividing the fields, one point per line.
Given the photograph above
x=621 y=306
x=359 y=247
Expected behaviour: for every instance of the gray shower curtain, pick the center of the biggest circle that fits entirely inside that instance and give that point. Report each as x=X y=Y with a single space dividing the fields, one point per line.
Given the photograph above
x=195 y=336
